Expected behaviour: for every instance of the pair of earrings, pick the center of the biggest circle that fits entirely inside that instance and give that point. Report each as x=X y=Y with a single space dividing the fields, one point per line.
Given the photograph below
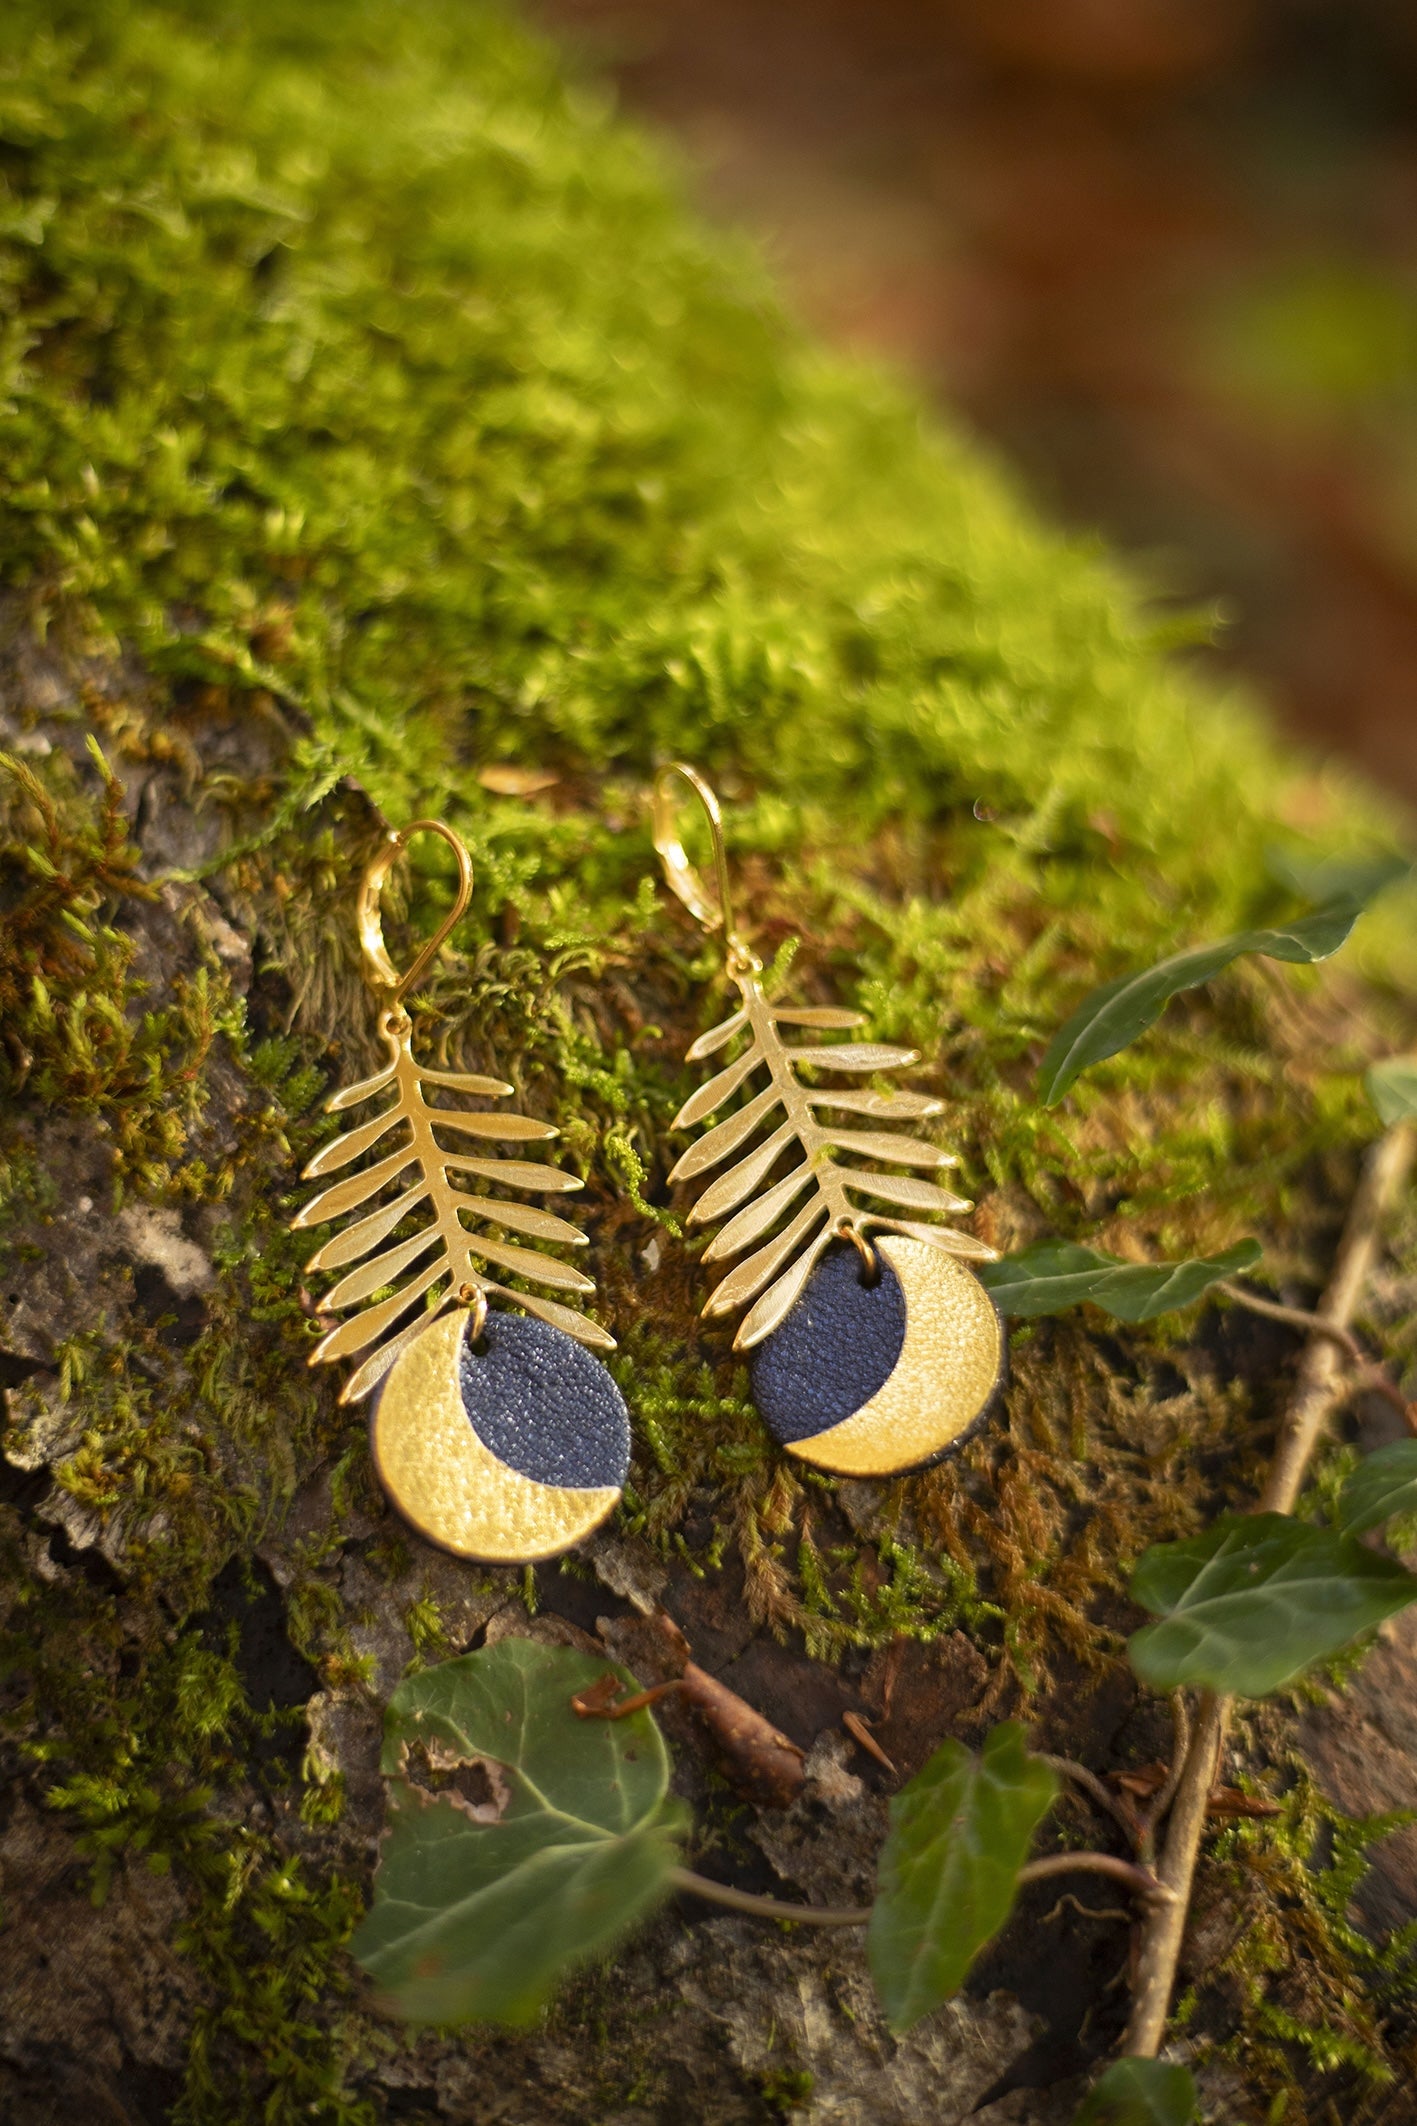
x=499 y=1435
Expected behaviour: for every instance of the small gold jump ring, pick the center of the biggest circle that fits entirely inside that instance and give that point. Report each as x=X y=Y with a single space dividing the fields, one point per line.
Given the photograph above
x=474 y=1299
x=379 y=970
x=870 y=1260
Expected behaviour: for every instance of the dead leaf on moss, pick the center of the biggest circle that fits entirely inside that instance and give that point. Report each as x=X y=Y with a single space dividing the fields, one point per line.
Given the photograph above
x=1148 y=1779
x=504 y=779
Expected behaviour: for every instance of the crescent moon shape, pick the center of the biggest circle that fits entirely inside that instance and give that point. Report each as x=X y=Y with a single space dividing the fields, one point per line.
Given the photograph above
x=505 y=1455
x=867 y=1380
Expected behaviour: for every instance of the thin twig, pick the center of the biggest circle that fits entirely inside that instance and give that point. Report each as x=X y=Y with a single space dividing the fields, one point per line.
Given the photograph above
x=1180 y=1747
x=1101 y=1794
x=1375 y=1379
x=1294 y=1317
x=1140 y=1881
x=1160 y=1947
x=1309 y=1408
x=1369 y=1373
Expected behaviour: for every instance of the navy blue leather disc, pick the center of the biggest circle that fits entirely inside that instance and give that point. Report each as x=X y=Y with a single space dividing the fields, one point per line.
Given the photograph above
x=544 y=1405
x=839 y=1344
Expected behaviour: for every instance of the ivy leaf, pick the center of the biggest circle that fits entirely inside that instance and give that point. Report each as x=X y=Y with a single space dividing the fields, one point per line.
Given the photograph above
x=1248 y=1605
x=551 y=1839
x=1392 y=1088
x=959 y=1834
x=1384 y=1483
x=1136 y=2092
x=1360 y=876
x=1055 y=1274
x=1113 y=1016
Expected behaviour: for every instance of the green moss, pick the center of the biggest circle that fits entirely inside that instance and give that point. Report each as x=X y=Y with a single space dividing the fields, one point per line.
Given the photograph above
x=70 y=997
x=1298 y=1988
x=369 y=399
x=149 y=1749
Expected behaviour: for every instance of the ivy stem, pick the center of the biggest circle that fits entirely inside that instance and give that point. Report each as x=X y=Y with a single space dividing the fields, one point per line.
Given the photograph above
x=1294 y=1318
x=1320 y=1376
x=722 y=1893
x=1139 y=1880
x=1100 y=1793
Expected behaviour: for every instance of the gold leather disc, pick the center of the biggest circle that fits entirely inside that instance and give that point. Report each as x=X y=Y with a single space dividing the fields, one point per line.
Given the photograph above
x=446 y=1480
x=922 y=1350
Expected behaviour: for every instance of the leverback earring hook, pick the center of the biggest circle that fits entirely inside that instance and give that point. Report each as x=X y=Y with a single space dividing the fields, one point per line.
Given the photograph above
x=379 y=970
x=715 y=912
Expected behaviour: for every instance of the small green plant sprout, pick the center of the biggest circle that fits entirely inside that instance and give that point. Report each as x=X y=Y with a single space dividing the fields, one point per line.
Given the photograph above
x=1141 y=2093
x=960 y=1832
x=1392 y=1088
x=1111 y=1018
x=1054 y=1274
x=1245 y=1607
x=1382 y=1486
x=1257 y=1598
x=522 y=1840
x=530 y=1828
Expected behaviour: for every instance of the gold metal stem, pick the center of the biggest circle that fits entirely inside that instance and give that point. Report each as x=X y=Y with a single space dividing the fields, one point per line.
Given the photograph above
x=797 y=1106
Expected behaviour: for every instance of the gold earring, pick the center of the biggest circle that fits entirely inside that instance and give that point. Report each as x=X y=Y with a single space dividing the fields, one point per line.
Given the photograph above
x=869 y=1355
x=495 y=1434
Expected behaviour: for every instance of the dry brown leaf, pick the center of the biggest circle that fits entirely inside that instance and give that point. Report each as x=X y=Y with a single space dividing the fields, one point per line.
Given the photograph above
x=504 y=779
x=860 y=1733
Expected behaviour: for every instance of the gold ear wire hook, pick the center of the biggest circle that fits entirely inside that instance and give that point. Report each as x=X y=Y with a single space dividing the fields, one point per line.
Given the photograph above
x=379 y=970
x=682 y=878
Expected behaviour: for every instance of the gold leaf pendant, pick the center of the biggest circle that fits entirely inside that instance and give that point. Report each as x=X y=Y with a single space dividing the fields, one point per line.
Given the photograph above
x=869 y=1357
x=496 y=1436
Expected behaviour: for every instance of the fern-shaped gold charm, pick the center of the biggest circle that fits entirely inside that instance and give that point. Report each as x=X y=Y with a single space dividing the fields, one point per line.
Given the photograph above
x=442 y=1259
x=406 y=1173
x=862 y=1369
x=774 y=1274
x=771 y=1278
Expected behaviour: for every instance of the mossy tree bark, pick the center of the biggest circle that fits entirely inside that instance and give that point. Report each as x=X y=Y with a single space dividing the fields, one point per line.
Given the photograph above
x=374 y=416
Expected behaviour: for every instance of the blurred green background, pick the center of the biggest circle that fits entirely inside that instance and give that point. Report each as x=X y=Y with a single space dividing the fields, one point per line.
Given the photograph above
x=1162 y=252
